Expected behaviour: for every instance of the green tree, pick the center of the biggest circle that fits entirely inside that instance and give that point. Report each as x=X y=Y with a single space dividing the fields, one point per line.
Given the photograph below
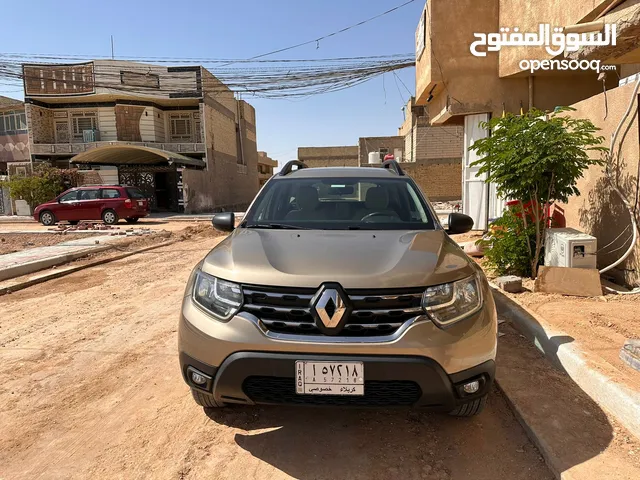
x=537 y=158
x=45 y=183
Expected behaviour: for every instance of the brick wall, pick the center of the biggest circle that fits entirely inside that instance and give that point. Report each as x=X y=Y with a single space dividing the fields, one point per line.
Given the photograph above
x=424 y=142
x=40 y=122
x=439 y=179
x=342 y=156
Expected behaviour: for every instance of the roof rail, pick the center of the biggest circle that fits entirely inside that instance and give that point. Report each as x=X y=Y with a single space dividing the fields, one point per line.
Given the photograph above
x=394 y=166
x=288 y=168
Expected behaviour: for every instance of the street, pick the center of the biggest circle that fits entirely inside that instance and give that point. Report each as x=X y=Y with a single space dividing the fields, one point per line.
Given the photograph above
x=90 y=388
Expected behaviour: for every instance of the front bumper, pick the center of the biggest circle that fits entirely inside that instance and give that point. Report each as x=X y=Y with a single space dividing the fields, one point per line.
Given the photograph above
x=246 y=365
x=250 y=378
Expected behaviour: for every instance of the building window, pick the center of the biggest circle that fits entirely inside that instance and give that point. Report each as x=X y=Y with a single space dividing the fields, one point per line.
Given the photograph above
x=13 y=122
x=180 y=126
x=81 y=121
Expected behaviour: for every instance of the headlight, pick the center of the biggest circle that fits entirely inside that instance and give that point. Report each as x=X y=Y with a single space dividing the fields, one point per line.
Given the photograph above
x=220 y=298
x=449 y=303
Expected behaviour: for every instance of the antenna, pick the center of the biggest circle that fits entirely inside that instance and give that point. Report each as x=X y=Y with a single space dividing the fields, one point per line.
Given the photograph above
x=112 y=57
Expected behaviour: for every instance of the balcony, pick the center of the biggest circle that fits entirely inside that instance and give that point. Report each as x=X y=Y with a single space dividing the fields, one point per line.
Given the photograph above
x=75 y=148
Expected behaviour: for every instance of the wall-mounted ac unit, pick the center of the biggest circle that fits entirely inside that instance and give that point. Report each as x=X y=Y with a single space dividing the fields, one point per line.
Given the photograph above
x=567 y=247
x=89 y=136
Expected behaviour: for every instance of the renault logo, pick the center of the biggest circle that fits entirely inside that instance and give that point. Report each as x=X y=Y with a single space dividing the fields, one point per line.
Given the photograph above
x=330 y=308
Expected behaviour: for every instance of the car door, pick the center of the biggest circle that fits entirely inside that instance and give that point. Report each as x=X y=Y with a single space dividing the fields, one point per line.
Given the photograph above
x=111 y=199
x=89 y=204
x=67 y=206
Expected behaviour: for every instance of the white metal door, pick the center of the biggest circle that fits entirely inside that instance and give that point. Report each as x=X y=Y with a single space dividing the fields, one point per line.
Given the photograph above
x=474 y=189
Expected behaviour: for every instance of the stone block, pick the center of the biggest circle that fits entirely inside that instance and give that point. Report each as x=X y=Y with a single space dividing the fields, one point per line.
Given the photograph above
x=509 y=283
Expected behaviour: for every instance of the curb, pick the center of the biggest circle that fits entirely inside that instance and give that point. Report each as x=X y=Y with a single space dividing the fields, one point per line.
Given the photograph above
x=622 y=402
x=545 y=450
x=62 y=273
x=30 y=267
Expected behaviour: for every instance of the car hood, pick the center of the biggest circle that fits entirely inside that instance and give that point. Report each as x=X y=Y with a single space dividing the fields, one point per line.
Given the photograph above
x=355 y=259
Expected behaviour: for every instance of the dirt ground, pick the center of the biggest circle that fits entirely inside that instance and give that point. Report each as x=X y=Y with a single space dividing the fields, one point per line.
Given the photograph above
x=16 y=242
x=601 y=325
x=90 y=388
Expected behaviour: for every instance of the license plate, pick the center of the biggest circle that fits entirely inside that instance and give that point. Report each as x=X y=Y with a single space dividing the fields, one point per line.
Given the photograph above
x=141 y=203
x=329 y=378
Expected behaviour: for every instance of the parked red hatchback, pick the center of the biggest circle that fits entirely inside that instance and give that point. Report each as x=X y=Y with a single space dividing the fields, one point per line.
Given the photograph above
x=108 y=203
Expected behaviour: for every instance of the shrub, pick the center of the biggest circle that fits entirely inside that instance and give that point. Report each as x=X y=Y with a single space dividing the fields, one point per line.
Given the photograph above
x=507 y=252
x=537 y=159
x=44 y=184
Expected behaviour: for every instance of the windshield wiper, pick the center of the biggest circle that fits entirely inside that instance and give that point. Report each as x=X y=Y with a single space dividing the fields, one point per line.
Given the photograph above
x=282 y=226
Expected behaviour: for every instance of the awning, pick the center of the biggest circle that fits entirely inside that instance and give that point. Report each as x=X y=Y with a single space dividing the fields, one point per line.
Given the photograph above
x=133 y=155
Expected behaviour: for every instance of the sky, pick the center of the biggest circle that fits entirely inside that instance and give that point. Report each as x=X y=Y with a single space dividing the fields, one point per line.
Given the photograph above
x=243 y=29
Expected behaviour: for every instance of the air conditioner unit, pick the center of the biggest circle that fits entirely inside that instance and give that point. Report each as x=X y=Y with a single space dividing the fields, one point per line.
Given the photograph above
x=567 y=247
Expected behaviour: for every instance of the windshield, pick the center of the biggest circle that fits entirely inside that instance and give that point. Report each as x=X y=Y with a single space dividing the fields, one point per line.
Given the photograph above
x=340 y=204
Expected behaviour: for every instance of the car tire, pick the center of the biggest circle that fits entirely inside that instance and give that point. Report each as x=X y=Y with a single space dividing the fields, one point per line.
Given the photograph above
x=471 y=408
x=47 y=218
x=132 y=220
x=204 y=399
x=110 y=217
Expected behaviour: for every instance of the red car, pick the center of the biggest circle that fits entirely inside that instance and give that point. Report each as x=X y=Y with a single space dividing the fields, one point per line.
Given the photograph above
x=108 y=203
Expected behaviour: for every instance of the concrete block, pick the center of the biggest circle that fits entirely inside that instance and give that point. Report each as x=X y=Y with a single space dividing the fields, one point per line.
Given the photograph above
x=630 y=353
x=579 y=282
x=509 y=283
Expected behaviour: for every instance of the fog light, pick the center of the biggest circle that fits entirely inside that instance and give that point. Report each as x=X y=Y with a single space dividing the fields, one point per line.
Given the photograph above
x=471 y=387
x=200 y=380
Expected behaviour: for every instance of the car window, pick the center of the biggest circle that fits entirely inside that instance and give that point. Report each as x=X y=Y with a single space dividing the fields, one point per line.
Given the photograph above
x=336 y=203
x=135 y=193
x=92 y=194
x=110 y=193
x=69 y=196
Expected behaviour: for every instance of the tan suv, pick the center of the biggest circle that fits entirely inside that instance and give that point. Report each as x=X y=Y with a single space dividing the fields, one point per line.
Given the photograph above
x=339 y=287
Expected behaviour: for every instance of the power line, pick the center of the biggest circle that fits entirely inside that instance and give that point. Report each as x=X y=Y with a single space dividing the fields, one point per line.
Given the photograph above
x=408 y=91
x=317 y=40
x=278 y=80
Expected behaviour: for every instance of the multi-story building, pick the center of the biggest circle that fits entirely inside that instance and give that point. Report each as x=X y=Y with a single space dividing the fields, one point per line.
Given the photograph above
x=178 y=133
x=265 y=167
x=457 y=87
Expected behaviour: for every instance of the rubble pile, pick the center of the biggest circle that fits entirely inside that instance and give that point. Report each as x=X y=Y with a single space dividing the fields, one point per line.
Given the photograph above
x=96 y=226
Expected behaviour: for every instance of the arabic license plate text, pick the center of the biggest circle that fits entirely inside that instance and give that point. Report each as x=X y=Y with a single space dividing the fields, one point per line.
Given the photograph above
x=329 y=378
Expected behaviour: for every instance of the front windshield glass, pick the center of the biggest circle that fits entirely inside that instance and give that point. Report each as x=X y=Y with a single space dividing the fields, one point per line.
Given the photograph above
x=340 y=204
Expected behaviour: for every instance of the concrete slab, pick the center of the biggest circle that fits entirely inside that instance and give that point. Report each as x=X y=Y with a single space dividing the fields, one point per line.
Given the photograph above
x=579 y=282
x=34 y=259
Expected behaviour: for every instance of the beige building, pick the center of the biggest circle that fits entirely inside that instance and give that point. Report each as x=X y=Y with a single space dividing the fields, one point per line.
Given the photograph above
x=176 y=132
x=458 y=88
x=265 y=167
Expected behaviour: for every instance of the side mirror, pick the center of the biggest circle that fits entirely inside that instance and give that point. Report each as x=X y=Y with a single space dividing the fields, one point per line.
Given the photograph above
x=224 y=222
x=459 y=223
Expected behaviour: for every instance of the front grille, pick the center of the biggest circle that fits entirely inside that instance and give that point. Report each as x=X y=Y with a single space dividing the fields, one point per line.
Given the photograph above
x=375 y=313
x=278 y=390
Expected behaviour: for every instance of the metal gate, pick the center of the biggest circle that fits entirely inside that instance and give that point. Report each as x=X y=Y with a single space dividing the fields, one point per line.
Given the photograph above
x=144 y=177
